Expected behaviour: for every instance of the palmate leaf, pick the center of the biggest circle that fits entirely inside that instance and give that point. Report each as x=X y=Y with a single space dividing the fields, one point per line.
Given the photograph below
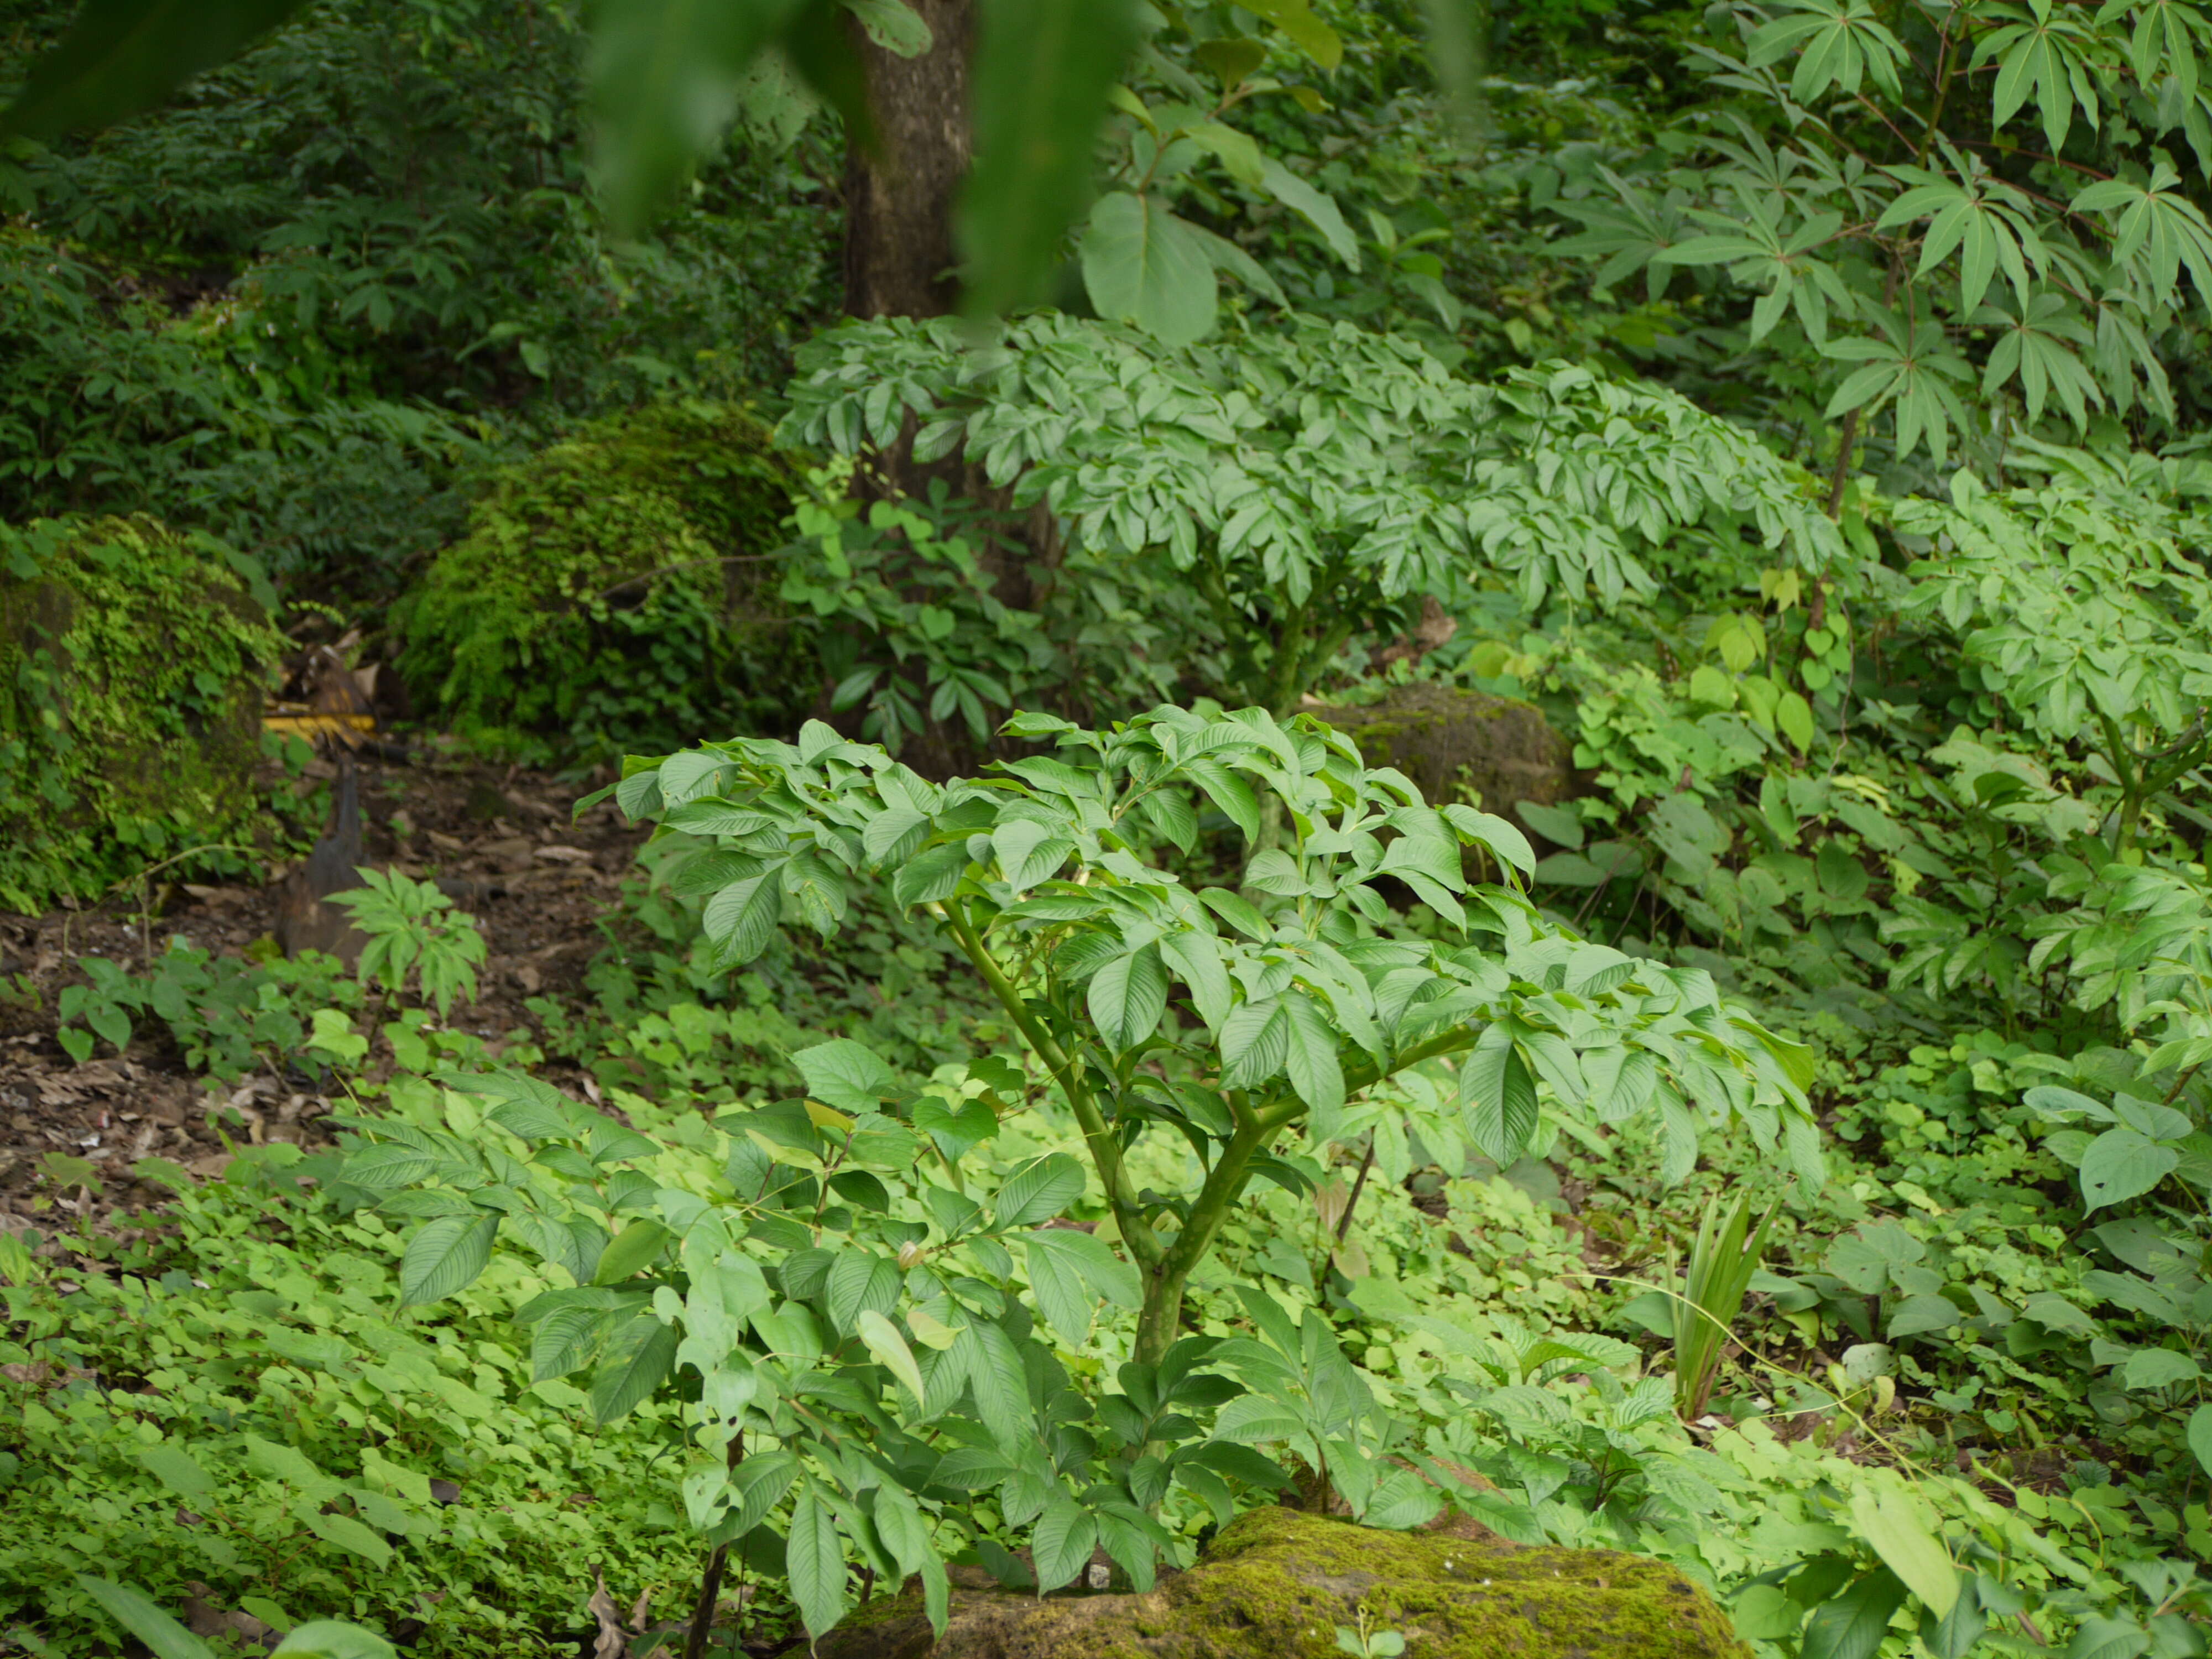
x=2044 y=53
x=1840 y=43
x=2036 y=349
x=2157 y=230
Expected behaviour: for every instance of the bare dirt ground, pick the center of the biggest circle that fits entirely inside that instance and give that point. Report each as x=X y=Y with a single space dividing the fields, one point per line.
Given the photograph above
x=538 y=881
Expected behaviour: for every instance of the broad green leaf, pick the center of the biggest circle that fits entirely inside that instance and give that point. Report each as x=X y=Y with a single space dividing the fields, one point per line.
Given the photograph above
x=814 y=1563
x=636 y=1247
x=1144 y=265
x=121 y=57
x=2123 y=1163
x=352 y=1536
x=639 y=1357
x=1060 y=1546
x=1851 y=1625
x=446 y=1256
x=1037 y=1192
x=846 y=1074
x=1894 y=1522
x=1038 y=84
x=1500 y=1096
x=2200 y=1436
x=180 y=1471
x=742 y=918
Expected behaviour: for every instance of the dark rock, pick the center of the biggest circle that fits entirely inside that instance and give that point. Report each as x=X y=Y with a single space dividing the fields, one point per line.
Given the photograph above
x=1460 y=745
x=1279 y=1583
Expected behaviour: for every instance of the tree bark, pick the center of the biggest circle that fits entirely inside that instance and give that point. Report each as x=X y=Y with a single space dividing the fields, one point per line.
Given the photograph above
x=899 y=256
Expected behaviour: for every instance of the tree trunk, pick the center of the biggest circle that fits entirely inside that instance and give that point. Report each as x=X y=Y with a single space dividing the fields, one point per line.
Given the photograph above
x=898 y=224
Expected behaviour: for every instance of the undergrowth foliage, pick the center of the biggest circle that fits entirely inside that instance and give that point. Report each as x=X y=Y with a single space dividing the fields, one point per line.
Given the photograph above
x=134 y=661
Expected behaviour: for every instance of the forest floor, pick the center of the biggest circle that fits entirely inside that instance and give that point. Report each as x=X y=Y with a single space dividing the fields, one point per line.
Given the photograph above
x=538 y=881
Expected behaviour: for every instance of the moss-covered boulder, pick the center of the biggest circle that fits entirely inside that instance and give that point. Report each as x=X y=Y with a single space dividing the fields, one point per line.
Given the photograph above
x=134 y=662
x=1277 y=1583
x=1463 y=746
x=616 y=590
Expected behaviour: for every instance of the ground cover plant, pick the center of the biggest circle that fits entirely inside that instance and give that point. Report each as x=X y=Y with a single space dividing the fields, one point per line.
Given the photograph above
x=1043 y=1090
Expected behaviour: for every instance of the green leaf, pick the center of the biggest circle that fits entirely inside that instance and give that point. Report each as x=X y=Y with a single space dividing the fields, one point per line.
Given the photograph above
x=847 y=1075
x=1895 y=1524
x=1852 y=1625
x=882 y=1339
x=121 y=57
x=327 y=1638
x=1142 y=265
x=664 y=77
x=164 y=1636
x=347 y=1533
x=446 y=1256
x=2100 y=1637
x=1310 y=1059
x=1060 y=1546
x=1317 y=207
x=1038 y=82
x=1127 y=996
x=640 y=1357
x=2200 y=1436
x=2123 y=1163
x=637 y=1246
x=1561 y=825
x=1500 y=1095
x=814 y=1562
x=1037 y=1192
x=180 y=1471
x=742 y=918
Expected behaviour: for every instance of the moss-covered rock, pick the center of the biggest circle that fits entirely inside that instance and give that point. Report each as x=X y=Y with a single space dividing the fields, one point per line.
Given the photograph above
x=134 y=661
x=616 y=590
x=1277 y=1583
x=1463 y=746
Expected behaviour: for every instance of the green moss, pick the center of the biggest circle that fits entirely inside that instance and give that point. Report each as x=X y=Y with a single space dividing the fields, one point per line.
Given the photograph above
x=1458 y=744
x=1278 y=1583
x=616 y=590
x=134 y=659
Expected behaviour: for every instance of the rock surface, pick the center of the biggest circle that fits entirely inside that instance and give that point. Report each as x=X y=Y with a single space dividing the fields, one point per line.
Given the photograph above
x=1459 y=745
x=1278 y=1583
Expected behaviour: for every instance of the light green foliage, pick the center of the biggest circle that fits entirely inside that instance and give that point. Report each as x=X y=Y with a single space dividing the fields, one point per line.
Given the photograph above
x=1300 y=1005
x=414 y=931
x=2084 y=615
x=285 y=1427
x=133 y=664
x=1310 y=486
x=228 y=1016
x=615 y=588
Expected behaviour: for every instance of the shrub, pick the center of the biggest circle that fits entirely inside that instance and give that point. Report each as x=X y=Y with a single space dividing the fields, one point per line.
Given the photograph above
x=132 y=666
x=614 y=589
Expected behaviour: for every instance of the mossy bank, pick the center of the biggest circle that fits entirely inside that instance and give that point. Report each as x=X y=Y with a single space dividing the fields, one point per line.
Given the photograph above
x=615 y=591
x=1278 y=1584
x=134 y=661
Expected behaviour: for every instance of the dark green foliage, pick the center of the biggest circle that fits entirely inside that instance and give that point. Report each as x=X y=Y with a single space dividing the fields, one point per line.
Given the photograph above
x=279 y=1434
x=133 y=663
x=304 y=301
x=614 y=590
